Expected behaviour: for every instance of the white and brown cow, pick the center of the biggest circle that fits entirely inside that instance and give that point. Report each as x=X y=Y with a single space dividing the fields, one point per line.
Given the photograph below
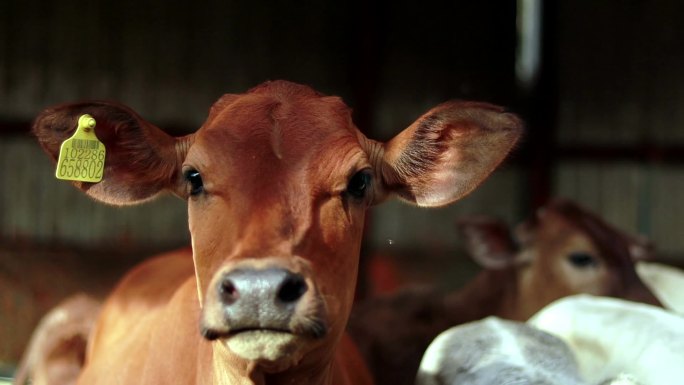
x=611 y=336
x=562 y=250
x=495 y=351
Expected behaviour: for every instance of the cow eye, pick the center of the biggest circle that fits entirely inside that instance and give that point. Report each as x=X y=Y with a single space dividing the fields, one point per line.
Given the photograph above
x=582 y=260
x=195 y=180
x=358 y=184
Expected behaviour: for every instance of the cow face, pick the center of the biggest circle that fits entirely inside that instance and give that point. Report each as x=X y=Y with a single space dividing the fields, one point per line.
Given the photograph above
x=561 y=250
x=578 y=252
x=278 y=187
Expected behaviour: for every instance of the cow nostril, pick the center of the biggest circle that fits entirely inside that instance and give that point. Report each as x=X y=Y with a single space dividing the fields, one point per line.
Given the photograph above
x=228 y=292
x=292 y=289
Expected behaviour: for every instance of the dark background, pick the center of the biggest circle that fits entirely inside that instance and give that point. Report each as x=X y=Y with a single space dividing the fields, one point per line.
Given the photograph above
x=605 y=114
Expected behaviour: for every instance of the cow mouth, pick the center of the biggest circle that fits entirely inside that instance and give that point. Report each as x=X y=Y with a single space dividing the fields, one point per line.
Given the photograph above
x=214 y=334
x=273 y=349
x=316 y=329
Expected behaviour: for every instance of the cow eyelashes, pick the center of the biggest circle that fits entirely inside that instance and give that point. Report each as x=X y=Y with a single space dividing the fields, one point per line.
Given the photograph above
x=359 y=184
x=195 y=181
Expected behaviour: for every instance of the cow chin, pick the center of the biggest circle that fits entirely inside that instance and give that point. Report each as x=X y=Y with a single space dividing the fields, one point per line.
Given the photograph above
x=274 y=351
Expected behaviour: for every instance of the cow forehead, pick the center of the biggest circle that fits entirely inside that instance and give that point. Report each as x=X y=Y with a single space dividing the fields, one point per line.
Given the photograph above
x=567 y=217
x=293 y=110
x=277 y=128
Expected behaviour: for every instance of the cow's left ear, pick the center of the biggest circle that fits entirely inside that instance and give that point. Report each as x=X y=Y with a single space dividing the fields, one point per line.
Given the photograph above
x=488 y=241
x=141 y=159
x=446 y=153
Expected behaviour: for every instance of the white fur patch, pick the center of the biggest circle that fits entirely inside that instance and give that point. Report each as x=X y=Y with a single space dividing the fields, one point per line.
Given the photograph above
x=267 y=347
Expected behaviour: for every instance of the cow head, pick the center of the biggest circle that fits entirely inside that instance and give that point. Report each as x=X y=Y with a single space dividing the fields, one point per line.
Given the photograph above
x=277 y=182
x=561 y=250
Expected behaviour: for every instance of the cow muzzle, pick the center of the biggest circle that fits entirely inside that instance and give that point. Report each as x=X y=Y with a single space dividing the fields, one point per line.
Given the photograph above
x=263 y=313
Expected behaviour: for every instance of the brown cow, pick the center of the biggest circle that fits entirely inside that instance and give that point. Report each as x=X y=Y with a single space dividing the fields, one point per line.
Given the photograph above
x=277 y=182
x=563 y=250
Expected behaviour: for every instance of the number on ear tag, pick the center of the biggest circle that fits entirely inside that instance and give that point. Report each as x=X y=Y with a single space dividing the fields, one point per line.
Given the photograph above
x=82 y=156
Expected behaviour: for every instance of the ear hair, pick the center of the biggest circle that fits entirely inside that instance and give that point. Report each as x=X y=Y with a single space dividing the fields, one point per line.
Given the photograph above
x=448 y=151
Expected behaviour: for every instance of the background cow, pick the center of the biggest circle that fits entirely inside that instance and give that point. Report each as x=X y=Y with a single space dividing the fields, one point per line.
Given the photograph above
x=611 y=336
x=666 y=282
x=277 y=181
x=562 y=250
x=494 y=351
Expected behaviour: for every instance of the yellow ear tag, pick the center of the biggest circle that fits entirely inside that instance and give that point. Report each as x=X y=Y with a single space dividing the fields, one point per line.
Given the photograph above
x=82 y=156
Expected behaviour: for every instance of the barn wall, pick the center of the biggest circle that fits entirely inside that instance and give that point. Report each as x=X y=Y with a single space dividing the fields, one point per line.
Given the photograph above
x=168 y=60
x=620 y=80
x=621 y=92
x=640 y=199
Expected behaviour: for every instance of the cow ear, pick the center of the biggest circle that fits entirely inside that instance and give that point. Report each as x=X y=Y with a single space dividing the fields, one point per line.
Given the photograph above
x=641 y=248
x=488 y=241
x=447 y=152
x=141 y=160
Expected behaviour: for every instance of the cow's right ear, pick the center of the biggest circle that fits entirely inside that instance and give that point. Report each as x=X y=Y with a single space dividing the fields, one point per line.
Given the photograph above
x=141 y=160
x=488 y=241
x=444 y=154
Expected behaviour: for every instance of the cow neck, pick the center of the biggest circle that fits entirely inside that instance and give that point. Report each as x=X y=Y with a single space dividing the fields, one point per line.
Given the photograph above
x=491 y=292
